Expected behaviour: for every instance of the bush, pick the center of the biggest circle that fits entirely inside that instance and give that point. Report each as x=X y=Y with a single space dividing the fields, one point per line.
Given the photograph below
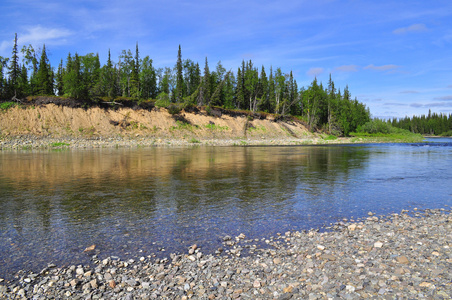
x=163 y=100
x=7 y=105
x=174 y=109
x=376 y=126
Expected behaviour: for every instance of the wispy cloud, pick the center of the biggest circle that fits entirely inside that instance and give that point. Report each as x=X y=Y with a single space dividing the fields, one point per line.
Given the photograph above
x=409 y=92
x=417 y=105
x=412 y=28
x=39 y=35
x=382 y=68
x=394 y=104
x=346 y=68
x=315 y=71
x=434 y=104
x=445 y=98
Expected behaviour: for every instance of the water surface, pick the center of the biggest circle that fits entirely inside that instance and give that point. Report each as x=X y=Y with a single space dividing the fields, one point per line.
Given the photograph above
x=134 y=202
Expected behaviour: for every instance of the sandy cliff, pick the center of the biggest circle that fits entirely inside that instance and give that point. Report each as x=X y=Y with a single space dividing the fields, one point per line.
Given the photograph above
x=62 y=121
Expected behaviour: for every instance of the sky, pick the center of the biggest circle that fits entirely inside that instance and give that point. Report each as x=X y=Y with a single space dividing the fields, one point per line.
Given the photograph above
x=395 y=56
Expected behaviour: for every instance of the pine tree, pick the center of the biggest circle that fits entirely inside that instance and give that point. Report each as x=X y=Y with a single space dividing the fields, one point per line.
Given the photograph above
x=271 y=92
x=44 y=80
x=179 y=77
x=135 y=76
x=239 y=95
x=23 y=85
x=206 y=88
x=264 y=97
x=59 y=79
x=14 y=70
x=148 y=79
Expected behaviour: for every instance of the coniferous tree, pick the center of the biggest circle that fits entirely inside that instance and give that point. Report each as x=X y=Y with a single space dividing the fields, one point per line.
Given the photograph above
x=23 y=85
x=240 y=96
x=148 y=79
x=271 y=92
x=44 y=76
x=14 y=69
x=179 y=77
x=135 y=76
x=3 y=64
x=108 y=78
x=206 y=86
x=264 y=104
x=59 y=84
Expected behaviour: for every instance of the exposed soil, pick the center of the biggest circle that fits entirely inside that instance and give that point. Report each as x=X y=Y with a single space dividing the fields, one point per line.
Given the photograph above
x=55 y=117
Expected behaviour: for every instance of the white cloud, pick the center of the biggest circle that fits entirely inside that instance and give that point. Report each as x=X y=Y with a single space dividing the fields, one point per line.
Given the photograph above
x=412 y=28
x=382 y=68
x=315 y=71
x=347 y=68
x=41 y=35
x=5 y=45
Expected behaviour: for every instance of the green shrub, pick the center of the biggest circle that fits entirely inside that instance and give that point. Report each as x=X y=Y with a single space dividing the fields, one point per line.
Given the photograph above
x=174 y=109
x=163 y=100
x=7 y=105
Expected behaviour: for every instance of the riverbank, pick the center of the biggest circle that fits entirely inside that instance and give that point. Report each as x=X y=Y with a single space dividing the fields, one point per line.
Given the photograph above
x=29 y=142
x=49 y=126
x=396 y=256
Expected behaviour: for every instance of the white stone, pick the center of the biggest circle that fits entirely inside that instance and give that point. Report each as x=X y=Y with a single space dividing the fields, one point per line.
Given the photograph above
x=378 y=244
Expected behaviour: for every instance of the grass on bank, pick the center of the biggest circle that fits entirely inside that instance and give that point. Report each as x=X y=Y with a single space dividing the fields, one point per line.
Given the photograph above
x=59 y=144
x=7 y=105
x=379 y=131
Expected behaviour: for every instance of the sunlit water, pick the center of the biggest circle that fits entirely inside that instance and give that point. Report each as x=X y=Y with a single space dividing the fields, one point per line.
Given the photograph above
x=136 y=202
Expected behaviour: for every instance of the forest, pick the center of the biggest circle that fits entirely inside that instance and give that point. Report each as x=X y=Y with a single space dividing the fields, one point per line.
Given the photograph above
x=432 y=124
x=134 y=78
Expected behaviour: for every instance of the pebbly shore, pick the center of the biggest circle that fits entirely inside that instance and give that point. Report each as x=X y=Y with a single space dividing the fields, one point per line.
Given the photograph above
x=30 y=142
x=399 y=256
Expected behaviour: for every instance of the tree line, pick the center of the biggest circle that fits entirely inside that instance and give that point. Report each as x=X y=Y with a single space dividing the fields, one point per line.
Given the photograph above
x=83 y=77
x=432 y=124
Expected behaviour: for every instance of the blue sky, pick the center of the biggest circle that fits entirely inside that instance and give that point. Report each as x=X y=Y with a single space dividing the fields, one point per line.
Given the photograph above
x=395 y=56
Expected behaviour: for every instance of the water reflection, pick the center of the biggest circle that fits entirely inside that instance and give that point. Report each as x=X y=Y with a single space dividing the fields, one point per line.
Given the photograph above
x=54 y=204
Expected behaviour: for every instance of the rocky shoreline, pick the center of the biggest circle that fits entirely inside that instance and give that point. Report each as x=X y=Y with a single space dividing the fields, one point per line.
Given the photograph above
x=29 y=142
x=399 y=256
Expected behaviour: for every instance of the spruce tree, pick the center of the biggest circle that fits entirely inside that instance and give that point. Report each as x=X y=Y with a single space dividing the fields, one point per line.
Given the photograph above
x=179 y=77
x=14 y=70
x=240 y=96
x=44 y=82
x=59 y=79
x=206 y=89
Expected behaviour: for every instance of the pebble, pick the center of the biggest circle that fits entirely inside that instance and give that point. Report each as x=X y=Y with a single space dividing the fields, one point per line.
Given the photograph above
x=397 y=256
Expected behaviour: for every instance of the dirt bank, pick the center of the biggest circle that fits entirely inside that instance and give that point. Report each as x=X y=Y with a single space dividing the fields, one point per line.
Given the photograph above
x=55 y=121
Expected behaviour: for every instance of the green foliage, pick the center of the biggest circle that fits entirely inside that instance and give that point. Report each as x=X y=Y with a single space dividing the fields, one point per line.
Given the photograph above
x=174 y=109
x=385 y=132
x=447 y=133
x=377 y=126
x=216 y=127
x=163 y=100
x=59 y=144
x=194 y=141
x=330 y=137
x=276 y=92
x=7 y=105
x=182 y=126
x=432 y=124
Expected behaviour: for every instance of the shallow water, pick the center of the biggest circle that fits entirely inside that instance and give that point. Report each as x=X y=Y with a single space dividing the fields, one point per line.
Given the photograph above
x=134 y=202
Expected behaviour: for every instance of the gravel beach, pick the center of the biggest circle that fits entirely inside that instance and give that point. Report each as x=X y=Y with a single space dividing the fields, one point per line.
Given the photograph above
x=399 y=256
x=29 y=142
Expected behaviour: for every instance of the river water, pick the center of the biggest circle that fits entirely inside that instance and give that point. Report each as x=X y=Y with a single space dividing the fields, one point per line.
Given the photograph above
x=138 y=202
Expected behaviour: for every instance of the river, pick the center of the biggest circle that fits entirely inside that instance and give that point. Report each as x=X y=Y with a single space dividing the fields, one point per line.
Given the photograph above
x=155 y=201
